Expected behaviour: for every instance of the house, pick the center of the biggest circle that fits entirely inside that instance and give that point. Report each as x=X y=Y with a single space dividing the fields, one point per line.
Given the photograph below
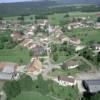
x=44 y=39
x=42 y=23
x=75 y=25
x=74 y=41
x=31 y=46
x=65 y=80
x=38 y=50
x=70 y=64
x=97 y=25
x=8 y=71
x=92 y=86
x=89 y=23
x=16 y=36
x=79 y=47
x=35 y=66
x=26 y=42
x=69 y=27
x=30 y=33
x=64 y=39
x=71 y=40
x=96 y=46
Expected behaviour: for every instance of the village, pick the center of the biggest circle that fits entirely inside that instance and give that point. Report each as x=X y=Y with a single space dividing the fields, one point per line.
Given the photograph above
x=64 y=59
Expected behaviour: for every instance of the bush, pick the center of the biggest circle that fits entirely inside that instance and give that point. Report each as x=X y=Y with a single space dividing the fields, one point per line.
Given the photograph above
x=12 y=89
x=25 y=83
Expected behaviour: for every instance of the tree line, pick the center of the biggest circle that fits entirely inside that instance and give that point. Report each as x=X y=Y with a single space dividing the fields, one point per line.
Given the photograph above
x=44 y=8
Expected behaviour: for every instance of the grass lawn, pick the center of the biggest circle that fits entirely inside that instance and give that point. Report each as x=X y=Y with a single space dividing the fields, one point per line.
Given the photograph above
x=17 y=55
x=31 y=96
x=58 y=72
x=56 y=18
x=92 y=15
x=83 y=67
x=62 y=58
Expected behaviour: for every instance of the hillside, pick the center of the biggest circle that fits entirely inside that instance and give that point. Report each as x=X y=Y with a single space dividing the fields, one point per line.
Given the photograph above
x=43 y=6
x=19 y=8
x=78 y=1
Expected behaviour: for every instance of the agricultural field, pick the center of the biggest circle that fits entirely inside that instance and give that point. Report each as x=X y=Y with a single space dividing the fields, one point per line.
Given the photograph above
x=17 y=55
x=26 y=18
x=57 y=18
x=85 y=34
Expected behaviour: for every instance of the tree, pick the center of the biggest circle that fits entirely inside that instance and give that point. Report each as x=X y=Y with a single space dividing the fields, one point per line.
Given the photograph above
x=98 y=19
x=1 y=45
x=41 y=17
x=92 y=97
x=67 y=15
x=21 y=18
x=21 y=32
x=54 y=48
x=31 y=53
x=12 y=89
x=98 y=57
x=55 y=56
x=25 y=83
x=95 y=97
x=21 y=60
x=31 y=18
x=42 y=85
x=1 y=18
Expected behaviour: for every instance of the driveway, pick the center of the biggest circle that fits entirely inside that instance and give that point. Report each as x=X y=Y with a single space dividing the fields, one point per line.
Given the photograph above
x=88 y=76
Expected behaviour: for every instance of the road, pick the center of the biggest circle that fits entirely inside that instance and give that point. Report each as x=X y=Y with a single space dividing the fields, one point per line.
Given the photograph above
x=73 y=57
x=88 y=76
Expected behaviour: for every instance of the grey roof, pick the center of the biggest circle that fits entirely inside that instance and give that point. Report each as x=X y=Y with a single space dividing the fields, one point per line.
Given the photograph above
x=96 y=45
x=71 y=63
x=8 y=69
x=5 y=76
x=66 y=78
x=93 y=85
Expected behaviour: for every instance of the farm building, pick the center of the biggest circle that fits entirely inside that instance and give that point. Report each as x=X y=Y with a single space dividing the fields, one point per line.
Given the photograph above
x=92 y=86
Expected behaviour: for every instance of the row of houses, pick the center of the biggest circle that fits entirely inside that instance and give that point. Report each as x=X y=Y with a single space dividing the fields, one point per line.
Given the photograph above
x=71 y=40
x=90 y=86
x=11 y=71
x=60 y=35
x=86 y=24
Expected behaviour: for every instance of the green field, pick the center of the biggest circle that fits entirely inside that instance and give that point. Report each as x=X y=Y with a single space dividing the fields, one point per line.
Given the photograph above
x=26 y=18
x=61 y=58
x=57 y=18
x=17 y=55
x=85 y=34
x=31 y=96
